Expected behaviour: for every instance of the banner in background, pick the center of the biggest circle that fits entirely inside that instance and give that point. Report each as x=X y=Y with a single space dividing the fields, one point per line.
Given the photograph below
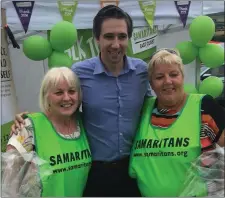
x=86 y=46
x=24 y=11
x=67 y=10
x=8 y=96
x=183 y=10
x=148 y=9
x=143 y=38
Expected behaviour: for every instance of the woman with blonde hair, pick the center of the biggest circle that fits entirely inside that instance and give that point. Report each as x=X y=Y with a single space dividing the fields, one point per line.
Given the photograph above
x=175 y=129
x=57 y=137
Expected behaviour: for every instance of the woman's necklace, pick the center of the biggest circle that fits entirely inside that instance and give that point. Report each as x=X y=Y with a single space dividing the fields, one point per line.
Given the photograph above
x=70 y=131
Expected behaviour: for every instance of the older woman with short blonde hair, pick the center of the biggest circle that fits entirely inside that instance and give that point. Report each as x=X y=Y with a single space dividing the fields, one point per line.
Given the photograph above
x=165 y=57
x=174 y=130
x=56 y=136
x=50 y=81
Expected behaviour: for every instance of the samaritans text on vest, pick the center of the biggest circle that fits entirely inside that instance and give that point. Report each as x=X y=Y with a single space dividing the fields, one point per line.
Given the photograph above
x=69 y=157
x=160 y=144
x=163 y=143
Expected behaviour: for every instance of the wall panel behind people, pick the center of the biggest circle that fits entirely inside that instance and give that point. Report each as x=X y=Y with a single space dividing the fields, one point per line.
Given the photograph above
x=27 y=75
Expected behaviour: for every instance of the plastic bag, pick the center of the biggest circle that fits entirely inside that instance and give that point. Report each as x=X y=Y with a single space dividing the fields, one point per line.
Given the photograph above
x=20 y=177
x=207 y=172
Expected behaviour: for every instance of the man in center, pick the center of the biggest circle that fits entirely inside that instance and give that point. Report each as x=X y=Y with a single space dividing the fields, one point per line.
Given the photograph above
x=114 y=86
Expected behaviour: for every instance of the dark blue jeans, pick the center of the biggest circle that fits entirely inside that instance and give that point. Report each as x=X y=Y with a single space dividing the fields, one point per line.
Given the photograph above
x=111 y=179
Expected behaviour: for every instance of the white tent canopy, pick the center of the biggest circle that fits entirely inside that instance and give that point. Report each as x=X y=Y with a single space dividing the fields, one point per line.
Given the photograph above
x=46 y=14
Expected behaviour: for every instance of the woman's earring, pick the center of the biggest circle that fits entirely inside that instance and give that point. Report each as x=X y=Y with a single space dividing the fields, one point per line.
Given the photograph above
x=49 y=107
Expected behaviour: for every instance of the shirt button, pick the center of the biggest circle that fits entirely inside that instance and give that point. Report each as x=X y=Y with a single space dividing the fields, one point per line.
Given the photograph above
x=120 y=115
x=121 y=134
x=119 y=97
x=121 y=151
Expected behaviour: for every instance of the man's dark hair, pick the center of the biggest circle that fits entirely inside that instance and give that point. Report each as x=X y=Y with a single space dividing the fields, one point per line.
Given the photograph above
x=109 y=12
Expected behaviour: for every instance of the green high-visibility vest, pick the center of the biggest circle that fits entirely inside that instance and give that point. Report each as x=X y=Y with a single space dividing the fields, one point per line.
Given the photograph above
x=162 y=157
x=68 y=160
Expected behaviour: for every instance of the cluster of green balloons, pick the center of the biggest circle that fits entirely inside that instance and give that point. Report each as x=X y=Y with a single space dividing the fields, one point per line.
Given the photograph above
x=201 y=31
x=212 y=86
x=62 y=37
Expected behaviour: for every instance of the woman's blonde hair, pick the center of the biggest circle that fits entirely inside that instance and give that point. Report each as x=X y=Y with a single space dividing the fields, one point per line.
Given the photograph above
x=165 y=56
x=51 y=80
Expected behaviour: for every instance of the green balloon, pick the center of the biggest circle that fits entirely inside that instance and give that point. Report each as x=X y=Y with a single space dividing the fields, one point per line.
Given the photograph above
x=188 y=51
x=190 y=89
x=63 y=36
x=212 y=55
x=212 y=86
x=37 y=48
x=201 y=30
x=59 y=59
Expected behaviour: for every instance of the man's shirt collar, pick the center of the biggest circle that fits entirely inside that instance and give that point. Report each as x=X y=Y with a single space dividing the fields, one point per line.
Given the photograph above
x=99 y=66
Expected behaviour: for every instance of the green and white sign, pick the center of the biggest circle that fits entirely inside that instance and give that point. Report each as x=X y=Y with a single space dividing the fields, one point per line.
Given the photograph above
x=67 y=9
x=85 y=47
x=143 y=39
x=148 y=9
